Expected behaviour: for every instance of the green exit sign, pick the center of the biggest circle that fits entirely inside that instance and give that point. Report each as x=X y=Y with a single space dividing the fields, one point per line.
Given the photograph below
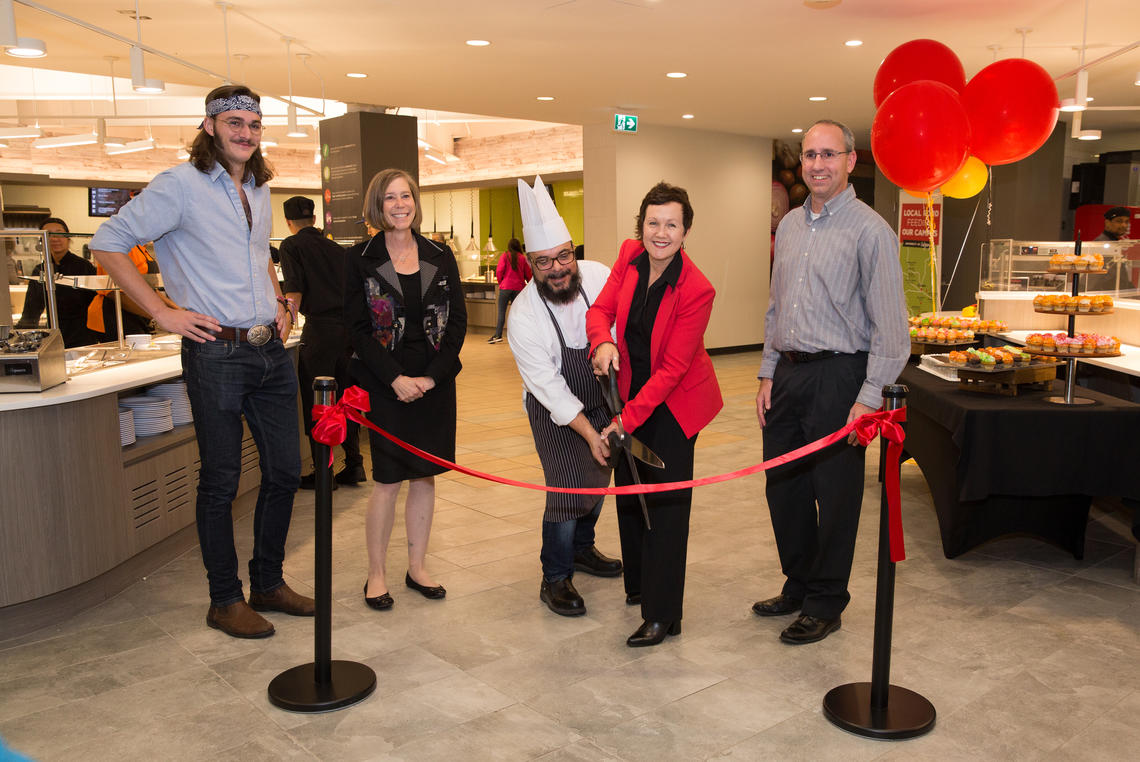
x=625 y=123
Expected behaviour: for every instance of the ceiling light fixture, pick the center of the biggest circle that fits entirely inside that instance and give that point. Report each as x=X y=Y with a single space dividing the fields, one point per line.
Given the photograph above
x=478 y=43
x=139 y=81
x=13 y=44
x=66 y=141
x=545 y=98
x=853 y=43
x=146 y=144
x=676 y=75
x=817 y=98
x=686 y=116
x=1137 y=82
x=1088 y=135
x=356 y=75
x=1078 y=102
x=293 y=130
x=16 y=133
x=797 y=130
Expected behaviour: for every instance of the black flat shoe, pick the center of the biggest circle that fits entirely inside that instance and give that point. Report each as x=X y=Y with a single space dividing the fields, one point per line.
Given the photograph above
x=382 y=602
x=778 y=606
x=434 y=593
x=632 y=599
x=351 y=475
x=809 y=629
x=593 y=562
x=561 y=597
x=652 y=633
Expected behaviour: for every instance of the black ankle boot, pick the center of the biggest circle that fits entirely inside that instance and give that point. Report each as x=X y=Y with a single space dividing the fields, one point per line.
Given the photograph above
x=652 y=633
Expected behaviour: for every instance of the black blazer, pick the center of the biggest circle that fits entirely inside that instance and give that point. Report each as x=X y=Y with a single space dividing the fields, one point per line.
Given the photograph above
x=374 y=309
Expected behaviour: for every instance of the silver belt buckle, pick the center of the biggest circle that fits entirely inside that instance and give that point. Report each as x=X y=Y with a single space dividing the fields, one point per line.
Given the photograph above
x=258 y=335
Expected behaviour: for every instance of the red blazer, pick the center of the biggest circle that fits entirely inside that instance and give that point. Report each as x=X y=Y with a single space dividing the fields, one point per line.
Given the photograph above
x=681 y=373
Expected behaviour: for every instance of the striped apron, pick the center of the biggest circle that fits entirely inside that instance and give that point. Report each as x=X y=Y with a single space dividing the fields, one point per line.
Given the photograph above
x=565 y=456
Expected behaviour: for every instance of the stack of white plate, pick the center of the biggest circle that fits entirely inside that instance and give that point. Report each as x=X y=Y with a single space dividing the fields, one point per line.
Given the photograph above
x=179 y=402
x=152 y=415
x=126 y=426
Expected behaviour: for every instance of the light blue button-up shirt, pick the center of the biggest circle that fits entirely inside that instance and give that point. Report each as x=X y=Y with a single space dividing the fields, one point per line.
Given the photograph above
x=212 y=260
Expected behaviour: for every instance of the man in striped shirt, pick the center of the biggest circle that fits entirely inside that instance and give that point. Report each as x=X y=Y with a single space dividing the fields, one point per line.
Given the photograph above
x=835 y=334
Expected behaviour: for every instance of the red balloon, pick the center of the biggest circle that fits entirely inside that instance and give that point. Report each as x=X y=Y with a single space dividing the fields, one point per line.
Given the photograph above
x=916 y=60
x=1012 y=105
x=920 y=135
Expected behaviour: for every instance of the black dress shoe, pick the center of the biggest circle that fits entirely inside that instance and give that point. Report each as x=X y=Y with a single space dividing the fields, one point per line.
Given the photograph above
x=808 y=629
x=433 y=593
x=632 y=599
x=561 y=597
x=778 y=606
x=351 y=475
x=309 y=481
x=652 y=633
x=382 y=602
x=593 y=562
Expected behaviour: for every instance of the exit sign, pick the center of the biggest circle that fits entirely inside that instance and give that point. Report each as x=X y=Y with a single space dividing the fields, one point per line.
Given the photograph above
x=625 y=123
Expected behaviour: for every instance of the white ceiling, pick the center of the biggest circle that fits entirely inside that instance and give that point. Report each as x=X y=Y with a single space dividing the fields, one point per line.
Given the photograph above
x=751 y=63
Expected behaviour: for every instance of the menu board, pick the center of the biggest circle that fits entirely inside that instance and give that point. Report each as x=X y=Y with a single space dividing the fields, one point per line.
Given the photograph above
x=354 y=147
x=104 y=202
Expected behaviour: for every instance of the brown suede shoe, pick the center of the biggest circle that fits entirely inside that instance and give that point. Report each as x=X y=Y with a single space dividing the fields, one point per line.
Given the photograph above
x=239 y=620
x=284 y=600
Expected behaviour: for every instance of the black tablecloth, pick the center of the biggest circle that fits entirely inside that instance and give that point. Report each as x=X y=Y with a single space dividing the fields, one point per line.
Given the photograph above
x=997 y=465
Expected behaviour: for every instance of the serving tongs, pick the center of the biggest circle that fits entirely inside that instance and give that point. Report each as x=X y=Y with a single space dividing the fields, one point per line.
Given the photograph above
x=621 y=440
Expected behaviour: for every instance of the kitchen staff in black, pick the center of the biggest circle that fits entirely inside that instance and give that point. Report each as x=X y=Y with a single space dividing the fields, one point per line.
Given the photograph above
x=313 y=267
x=70 y=303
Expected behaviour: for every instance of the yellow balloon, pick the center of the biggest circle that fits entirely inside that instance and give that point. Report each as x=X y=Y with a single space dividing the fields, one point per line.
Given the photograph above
x=968 y=181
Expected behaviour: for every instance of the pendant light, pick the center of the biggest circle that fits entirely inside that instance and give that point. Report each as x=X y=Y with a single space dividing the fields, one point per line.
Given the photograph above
x=293 y=130
x=139 y=80
x=13 y=44
x=472 y=244
x=490 y=221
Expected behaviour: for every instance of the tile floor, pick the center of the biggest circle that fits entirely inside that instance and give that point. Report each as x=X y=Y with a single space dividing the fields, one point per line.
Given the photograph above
x=1025 y=652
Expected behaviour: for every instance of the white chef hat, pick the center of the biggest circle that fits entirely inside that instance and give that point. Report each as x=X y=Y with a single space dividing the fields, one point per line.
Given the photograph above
x=543 y=227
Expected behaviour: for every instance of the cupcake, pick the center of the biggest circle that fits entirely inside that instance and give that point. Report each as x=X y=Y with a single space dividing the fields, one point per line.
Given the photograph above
x=1084 y=304
x=1048 y=343
x=1097 y=261
x=1115 y=344
x=940 y=335
x=1055 y=262
x=1108 y=303
x=1088 y=345
x=1072 y=304
x=1104 y=345
x=1068 y=262
x=1033 y=341
x=988 y=362
x=1081 y=263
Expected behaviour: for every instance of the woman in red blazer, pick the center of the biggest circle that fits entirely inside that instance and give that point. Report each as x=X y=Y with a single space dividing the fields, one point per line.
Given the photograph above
x=660 y=303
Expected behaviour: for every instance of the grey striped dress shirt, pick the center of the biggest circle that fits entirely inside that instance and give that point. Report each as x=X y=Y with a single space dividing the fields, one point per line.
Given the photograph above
x=837 y=285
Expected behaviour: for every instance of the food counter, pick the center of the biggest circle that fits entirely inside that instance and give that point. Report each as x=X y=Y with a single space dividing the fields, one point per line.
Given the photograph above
x=82 y=516
x=482 y=302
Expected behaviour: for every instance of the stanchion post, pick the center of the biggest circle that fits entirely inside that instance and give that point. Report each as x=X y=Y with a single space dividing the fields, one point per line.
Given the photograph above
x=322 y=685
x=878 y=709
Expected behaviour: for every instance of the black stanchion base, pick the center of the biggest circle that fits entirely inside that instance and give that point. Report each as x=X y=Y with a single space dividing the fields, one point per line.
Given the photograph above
x=297 y=690
x=906 y=715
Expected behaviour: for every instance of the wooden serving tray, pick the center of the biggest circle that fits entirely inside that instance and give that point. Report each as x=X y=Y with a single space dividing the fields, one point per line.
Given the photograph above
x=935 y=347
x=1077 y=313
x=1067 y=355
x=1006 y=382
x=1079 y=272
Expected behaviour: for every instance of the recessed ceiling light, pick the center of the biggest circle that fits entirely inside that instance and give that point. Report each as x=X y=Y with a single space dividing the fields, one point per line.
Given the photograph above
x=676 y=75
x=853 y=43
x=355 y=75
x=798 y=130
x=1089 y=99
x=545 y=98
x=817 y=98
x=478 y=43
x=686 y=116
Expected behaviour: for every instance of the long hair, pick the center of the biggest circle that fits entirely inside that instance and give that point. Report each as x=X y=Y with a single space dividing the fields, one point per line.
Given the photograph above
x=204 y=151
x=514 y=248
x=374 y=199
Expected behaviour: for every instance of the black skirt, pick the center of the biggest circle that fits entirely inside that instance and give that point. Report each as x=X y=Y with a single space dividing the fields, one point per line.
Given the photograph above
x=428 y=423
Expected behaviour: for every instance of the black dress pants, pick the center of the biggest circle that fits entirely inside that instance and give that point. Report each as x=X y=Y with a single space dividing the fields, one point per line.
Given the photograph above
x=815 y=501
x=654 y=560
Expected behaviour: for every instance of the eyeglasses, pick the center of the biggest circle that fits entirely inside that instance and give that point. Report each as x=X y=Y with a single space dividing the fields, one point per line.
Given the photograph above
x=565 y=257
x=826 y=154
x=236 y=124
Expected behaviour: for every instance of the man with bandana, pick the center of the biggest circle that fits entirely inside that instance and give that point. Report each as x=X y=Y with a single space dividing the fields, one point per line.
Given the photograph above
x=210 y=220
x=547 y=334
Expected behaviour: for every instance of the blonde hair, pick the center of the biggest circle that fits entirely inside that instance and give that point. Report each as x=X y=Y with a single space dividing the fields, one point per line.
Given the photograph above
x=374 y=199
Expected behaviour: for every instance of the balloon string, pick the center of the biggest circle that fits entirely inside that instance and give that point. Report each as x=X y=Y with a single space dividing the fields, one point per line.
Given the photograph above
x=961 y=250
x=929 y=210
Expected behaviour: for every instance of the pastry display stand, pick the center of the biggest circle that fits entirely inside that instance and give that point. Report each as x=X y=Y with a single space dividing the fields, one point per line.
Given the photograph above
x=1070 y=359
x=322 y=685
x=878 y=709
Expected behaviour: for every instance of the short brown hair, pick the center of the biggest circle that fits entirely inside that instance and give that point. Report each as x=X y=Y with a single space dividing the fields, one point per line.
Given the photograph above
x=204 y=151
x=374 y=199
x=664 y=193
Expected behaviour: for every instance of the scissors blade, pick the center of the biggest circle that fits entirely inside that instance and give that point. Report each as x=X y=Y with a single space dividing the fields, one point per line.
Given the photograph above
x=637 y=481
x=640 y=451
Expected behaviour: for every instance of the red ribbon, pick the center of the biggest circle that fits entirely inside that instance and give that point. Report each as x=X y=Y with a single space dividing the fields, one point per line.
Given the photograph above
x=330 y=428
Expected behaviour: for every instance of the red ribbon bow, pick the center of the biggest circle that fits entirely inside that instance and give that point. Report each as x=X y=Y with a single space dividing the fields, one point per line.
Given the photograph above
x=330 y=422
x=887 y=424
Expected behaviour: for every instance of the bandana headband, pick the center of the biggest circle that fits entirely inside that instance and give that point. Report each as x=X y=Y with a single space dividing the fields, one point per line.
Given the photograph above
x=233 y=103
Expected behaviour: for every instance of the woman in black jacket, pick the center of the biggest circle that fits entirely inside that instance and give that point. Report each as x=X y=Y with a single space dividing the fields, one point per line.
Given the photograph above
x=406 y=319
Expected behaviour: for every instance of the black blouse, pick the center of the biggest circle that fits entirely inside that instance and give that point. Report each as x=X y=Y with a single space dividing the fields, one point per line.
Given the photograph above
x=642 y=315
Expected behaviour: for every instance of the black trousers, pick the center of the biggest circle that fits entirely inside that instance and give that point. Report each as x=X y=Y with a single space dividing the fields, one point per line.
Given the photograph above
x=325 y=351
x=654 y=560
x=815 y=501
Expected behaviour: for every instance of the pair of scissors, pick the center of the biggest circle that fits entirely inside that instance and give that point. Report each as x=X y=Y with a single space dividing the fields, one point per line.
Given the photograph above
x=621 y=440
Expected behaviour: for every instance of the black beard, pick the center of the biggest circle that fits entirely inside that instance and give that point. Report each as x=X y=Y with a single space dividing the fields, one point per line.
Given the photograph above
x=566 y=295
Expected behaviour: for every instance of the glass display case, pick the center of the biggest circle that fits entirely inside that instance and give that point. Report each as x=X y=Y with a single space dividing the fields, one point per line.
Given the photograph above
x=1012 y=265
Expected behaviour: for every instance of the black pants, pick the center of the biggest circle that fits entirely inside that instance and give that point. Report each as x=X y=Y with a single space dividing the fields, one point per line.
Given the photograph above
x=815 y=501
x=654 y=560
x=325 y=351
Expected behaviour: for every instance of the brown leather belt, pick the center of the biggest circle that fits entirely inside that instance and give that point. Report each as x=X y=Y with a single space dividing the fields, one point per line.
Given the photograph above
x=256 y=336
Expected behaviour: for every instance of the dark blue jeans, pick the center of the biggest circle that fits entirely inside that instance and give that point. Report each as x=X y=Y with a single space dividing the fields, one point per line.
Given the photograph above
x=226 y=380
x=506 y=296
x=562 y=539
